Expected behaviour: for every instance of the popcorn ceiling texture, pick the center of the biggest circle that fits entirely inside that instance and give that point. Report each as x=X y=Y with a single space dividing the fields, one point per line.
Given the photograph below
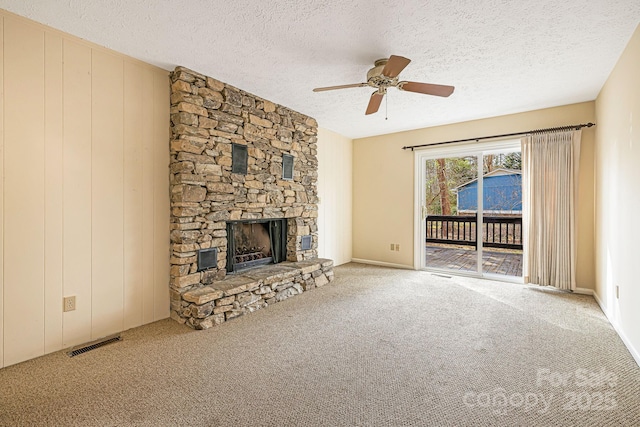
x=502 y=56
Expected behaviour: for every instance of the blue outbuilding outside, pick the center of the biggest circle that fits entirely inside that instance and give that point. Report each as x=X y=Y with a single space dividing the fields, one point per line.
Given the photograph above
x=502 y=190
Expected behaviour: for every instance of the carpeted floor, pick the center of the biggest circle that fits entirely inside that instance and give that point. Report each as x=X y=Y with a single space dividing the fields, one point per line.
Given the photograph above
x=377 y=347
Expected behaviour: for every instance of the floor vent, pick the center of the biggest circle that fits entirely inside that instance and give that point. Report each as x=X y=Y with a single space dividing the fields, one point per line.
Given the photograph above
x=94 y=345
x=441 y=275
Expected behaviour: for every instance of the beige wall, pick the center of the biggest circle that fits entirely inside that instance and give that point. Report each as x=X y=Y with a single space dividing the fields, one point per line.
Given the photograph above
x=84 y=200
x=618 y=197
x=334 y=190
x=383 y=183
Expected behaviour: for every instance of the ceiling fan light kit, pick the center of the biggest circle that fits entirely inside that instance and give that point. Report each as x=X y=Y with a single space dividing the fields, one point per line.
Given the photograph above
x=384 y=75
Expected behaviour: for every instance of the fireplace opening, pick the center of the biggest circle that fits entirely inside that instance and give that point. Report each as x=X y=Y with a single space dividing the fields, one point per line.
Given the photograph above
x=251 y=243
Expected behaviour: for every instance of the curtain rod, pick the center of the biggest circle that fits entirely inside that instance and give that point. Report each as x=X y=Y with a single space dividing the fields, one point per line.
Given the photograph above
x=576 y=127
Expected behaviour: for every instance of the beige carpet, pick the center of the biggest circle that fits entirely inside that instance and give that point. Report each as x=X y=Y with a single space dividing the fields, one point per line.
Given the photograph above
x=377 y=347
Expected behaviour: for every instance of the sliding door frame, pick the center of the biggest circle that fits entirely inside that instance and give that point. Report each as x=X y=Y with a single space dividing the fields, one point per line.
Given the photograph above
x=453 y=150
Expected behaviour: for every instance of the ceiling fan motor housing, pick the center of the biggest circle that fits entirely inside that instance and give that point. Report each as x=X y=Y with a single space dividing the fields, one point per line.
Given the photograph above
x=375 y=78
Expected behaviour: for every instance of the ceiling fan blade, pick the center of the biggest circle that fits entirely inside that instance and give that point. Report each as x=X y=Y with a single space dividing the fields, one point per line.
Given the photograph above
x=322 y=89
x=374 y=102
x=395 y=65
x=426 y=88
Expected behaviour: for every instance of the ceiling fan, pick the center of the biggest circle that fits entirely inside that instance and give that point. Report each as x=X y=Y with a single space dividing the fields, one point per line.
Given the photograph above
x=384 y=75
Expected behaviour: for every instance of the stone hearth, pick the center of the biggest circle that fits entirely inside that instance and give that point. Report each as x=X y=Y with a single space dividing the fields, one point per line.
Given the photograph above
x=254 y=289
x=207 y=118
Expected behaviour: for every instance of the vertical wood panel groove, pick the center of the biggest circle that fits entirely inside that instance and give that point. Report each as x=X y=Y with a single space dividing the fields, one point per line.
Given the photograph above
x=62 y=125
x=133 y=203
x=77 y=191
x=147 y=195
x=124 y=192
x=107 y=195
x=44 y=193
x=53 y=285
x=154 y=201
x=2 y=192
x=91 y=193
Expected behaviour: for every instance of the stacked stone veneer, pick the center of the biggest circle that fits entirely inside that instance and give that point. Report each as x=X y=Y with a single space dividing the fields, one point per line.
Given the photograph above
x=207 y=116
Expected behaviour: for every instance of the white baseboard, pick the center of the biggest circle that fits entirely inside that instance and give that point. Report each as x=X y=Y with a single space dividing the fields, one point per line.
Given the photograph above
x=634 y=353
x=382 y=264
x=583 y=291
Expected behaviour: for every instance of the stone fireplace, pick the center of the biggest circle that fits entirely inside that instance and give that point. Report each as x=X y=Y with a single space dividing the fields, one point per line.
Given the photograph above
x=254 y=221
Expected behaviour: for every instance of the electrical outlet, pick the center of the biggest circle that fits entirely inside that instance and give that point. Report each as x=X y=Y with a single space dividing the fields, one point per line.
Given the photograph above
x=392 y=247
x=69 y=303
x=617 y=292
x=397 y=246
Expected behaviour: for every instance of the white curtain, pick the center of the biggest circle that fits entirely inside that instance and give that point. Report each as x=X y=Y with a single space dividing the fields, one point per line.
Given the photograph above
x=550 y=177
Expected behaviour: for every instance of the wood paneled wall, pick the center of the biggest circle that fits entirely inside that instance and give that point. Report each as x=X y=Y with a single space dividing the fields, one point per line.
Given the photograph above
x=84 y=201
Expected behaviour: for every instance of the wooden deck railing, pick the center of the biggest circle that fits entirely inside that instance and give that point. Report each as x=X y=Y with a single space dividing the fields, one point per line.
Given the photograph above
x=497 y=231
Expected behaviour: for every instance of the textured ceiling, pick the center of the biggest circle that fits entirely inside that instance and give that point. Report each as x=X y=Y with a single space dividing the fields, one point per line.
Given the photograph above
x=503 y=56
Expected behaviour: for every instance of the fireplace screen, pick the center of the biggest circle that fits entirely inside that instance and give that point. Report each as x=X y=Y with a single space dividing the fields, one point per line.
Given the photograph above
x=255 y=242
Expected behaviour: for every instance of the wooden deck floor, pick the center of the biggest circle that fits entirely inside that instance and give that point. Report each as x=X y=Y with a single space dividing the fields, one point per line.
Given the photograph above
x=494 y=262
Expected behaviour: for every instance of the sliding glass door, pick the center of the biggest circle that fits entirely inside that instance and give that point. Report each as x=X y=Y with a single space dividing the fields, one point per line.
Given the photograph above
x=502 y=214
x=451 y=231
x=469 y=210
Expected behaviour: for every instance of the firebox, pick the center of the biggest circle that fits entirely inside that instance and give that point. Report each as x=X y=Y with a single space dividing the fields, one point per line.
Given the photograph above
x=251 y=243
